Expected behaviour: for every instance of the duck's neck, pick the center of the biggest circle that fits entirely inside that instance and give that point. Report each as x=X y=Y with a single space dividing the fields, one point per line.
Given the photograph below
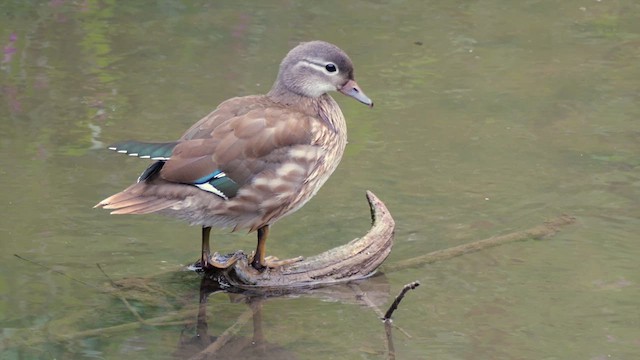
x=282 y=95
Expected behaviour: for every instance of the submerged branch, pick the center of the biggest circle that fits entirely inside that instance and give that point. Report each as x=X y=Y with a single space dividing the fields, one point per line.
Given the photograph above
x=124 y=300
x=49 y=268
x=227 y=335
x=547 y=229
x=32 y=337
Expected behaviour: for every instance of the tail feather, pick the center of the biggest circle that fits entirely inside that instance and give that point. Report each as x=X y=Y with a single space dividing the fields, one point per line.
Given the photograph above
x=124 y=195
x=145 y=150
x=133 y=201
x=126 y=203
x=145 y=206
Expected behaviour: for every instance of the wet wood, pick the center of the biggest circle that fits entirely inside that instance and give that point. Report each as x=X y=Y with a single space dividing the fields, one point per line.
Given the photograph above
x=355 y=260
x=394 y=306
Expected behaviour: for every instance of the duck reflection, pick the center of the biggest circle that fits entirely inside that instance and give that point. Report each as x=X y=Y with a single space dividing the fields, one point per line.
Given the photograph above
x=196 y=342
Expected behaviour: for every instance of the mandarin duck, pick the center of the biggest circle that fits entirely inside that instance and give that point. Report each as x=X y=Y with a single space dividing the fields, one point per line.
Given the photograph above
x=254 y=159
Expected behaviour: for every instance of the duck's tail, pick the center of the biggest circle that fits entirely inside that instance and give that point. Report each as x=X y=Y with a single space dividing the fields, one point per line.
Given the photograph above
x=132 y=200
x=136 y=199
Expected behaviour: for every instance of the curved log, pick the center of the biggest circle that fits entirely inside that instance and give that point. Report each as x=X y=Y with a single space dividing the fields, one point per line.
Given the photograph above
x=355 y=260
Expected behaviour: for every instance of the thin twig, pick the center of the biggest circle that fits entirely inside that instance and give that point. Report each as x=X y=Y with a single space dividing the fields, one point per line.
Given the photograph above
x=224 y=337
x=388 y=324
x=399 y=298
x=391 y=350
x=107 y=276
x=361 y=295
x=122 y=298
x=57 y=272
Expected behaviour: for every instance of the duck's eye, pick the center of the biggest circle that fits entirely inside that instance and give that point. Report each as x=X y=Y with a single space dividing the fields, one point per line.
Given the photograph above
x=330 y=67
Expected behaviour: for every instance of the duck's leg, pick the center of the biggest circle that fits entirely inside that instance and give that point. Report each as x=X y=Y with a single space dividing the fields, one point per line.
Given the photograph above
x=260 y=262
x=206 y=249
x=217 y=261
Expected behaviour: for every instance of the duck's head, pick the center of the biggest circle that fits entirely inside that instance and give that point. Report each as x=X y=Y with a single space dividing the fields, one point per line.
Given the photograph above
x=315 y=68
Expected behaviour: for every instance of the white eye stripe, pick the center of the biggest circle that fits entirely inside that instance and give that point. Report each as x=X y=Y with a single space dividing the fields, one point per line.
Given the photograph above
x=321 y=66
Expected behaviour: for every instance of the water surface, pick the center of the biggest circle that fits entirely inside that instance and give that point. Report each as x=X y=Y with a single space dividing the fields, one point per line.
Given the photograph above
x=491 y=117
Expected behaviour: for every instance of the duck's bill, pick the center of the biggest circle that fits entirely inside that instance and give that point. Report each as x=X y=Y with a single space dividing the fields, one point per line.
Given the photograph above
x=352 y=89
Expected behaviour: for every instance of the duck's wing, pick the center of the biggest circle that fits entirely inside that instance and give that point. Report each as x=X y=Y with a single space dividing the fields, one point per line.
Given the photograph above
x=237 y=141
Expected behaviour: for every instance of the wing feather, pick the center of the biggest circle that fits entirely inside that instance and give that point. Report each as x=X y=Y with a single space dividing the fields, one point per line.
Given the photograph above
x=240 y=139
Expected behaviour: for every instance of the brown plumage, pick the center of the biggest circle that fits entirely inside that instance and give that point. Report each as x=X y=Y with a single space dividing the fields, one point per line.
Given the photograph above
x=254 y=159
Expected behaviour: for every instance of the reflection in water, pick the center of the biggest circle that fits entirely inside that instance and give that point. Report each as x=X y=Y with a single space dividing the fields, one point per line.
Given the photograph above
x=229 y=345
x=151 y=303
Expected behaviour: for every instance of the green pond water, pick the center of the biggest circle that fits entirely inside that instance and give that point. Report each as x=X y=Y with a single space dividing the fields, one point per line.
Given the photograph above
x=491 y=117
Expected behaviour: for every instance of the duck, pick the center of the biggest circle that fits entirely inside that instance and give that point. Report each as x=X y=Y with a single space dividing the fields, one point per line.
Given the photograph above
x=254 y=159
